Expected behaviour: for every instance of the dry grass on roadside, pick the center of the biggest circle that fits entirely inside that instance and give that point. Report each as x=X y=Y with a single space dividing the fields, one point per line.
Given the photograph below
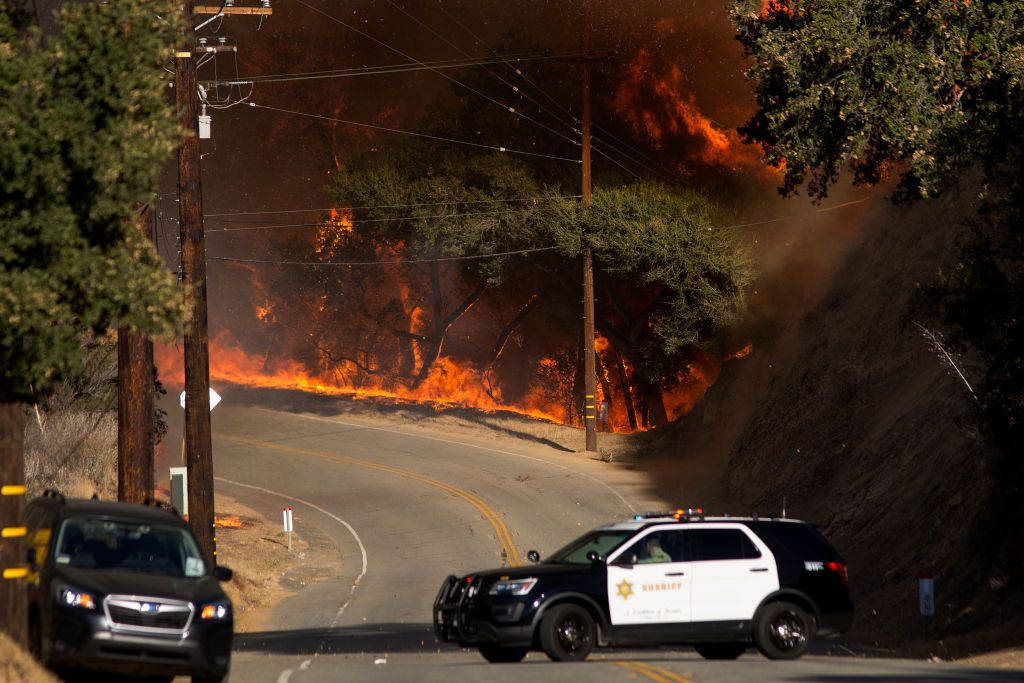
x=18 y=666
x=74 y=452
x=258 y=554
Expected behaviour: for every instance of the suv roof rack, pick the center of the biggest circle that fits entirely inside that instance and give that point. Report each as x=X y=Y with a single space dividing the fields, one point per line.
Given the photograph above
x=55 y=494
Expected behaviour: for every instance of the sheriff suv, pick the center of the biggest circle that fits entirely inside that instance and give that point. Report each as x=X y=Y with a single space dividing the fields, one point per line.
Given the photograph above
x=717 y=583
x=123 y=589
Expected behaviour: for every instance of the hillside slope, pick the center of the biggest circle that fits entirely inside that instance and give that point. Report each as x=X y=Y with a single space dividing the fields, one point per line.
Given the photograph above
x=845 y=415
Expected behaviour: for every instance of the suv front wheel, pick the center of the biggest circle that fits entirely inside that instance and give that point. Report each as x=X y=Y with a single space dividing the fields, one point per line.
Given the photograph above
x=782 y=630
x=567 y=633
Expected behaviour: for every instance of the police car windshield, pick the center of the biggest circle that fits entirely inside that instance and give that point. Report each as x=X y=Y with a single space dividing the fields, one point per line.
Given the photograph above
x=601 y=542
x=106 y=544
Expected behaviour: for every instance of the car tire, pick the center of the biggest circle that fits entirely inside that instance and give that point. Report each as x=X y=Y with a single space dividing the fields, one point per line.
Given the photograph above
x=782 y=630
x=497 y=654
x=567 y=633
x=720 y=650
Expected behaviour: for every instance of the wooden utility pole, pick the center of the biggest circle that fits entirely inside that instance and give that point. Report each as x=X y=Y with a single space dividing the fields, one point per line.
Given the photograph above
x=13 y=569
x=589 y=361
x=198 y=441
x=135 y=406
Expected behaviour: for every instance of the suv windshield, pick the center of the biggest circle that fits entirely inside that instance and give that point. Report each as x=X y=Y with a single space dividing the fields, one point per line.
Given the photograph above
x=601 y=542
x=108 y=544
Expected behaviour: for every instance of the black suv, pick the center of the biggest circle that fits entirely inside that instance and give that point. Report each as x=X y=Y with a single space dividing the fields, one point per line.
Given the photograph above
x=718 y=583
x=124 y=589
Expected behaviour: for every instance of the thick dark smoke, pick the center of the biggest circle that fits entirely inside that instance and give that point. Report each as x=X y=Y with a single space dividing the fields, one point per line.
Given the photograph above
x=674 y=94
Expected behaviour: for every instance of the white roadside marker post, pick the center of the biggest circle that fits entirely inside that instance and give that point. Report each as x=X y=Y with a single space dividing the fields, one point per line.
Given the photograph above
x=289 y=525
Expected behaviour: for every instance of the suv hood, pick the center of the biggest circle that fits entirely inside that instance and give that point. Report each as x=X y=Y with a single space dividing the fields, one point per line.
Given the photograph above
x=107 y=581
x=533 y=570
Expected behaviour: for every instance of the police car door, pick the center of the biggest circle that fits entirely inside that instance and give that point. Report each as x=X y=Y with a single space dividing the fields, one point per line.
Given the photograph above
x=732 y=572
x=649 y=581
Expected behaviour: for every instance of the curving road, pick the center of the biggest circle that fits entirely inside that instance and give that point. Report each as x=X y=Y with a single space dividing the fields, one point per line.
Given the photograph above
x=405 y=506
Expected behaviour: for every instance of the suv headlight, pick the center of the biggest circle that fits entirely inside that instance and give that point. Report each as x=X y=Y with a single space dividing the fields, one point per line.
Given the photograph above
x=72 y=597
x=215 y=610
x=513 y=586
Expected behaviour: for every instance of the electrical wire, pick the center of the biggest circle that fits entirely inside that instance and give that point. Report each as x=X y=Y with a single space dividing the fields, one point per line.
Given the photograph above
x=373 y=220
x=415 y=134
x=511 y=110
x=395 y=68
x=474 y=257
x=390 y=206
x=574 y=121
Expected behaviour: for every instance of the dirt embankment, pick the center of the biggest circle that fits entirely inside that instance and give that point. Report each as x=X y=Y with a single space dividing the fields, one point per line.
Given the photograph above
x=845 y=415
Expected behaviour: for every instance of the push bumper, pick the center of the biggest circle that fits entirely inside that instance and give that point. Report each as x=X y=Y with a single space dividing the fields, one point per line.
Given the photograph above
x=458 y=618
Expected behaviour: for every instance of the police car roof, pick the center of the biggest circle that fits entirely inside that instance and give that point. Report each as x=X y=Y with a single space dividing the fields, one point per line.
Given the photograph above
x=642 y=521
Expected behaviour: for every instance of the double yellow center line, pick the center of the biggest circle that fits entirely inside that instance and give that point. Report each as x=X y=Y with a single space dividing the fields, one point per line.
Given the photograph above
x=501 y=531
x=654 y=673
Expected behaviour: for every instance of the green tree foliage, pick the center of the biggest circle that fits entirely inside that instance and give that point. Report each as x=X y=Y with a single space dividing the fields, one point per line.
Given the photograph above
x=924 y=90
x=84 y=126
x=923 y=86
x=667 y=283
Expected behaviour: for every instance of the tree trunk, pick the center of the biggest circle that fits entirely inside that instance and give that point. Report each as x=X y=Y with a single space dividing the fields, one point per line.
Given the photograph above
x=134 y=417
x=656 y=414
x=434 y=342
x=511 y=327
x=627 y=394
x=13 y=617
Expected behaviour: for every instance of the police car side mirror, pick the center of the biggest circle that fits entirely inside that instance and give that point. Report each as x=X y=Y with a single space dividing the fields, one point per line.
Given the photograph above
x=222 y=573
x=626 y=560
x=533 y=556
x=594 y=557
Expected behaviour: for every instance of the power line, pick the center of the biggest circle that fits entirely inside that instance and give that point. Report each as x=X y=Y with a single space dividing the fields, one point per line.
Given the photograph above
x=573 y=120
x=511 y=110
x=393 y=206
x=373 y=220
x=384 y=70
x=384 y=263
x=415 y=134
x=500 y=78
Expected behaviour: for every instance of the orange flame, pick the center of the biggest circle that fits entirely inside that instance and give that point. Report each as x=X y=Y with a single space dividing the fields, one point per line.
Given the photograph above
x=228 y=522
x=448 y=384
x=652 y=98
x=334 y=230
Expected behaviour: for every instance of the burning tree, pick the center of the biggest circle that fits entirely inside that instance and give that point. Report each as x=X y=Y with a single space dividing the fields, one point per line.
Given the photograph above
x=461 y=262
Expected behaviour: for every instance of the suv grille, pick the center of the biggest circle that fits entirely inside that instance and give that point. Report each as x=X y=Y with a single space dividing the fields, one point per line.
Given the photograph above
x=132 y=612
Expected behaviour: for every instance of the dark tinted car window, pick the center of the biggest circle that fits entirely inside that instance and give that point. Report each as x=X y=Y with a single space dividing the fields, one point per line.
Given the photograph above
x=804 y=542
x=722 y=544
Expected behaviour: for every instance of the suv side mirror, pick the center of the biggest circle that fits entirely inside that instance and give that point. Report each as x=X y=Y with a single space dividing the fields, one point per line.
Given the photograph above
x=533 y=556
x=594 y=556
x=222 y=573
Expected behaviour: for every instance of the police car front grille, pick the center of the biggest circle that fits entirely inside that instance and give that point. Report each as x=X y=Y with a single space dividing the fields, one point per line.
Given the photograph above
x=137 y=613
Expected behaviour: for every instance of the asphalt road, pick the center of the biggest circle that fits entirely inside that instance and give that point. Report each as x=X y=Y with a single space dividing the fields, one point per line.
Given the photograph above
x=405 y=506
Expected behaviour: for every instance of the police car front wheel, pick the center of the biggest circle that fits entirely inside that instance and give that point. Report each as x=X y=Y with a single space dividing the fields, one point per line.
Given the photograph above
x=782 y=630
x=567 y=633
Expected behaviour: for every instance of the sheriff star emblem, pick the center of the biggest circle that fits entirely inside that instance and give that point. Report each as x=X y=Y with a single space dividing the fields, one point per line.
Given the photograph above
x=625 y=589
